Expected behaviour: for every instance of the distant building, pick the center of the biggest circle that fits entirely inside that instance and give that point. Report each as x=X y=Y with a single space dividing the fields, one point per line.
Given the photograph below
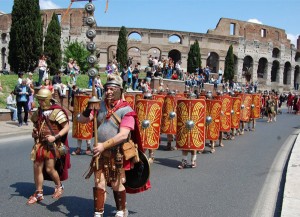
x=263 y=51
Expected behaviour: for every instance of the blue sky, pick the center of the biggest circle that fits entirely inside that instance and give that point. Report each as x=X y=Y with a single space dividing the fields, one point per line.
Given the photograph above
x=186 y=15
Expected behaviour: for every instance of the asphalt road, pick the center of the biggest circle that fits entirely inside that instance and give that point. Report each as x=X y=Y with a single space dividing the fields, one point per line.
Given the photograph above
x=226 y=183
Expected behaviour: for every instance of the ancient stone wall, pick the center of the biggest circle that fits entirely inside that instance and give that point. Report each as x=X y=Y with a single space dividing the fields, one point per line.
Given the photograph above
x=256 y=47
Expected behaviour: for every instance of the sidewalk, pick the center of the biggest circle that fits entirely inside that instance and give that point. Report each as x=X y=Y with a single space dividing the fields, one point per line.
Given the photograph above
x=10 y=129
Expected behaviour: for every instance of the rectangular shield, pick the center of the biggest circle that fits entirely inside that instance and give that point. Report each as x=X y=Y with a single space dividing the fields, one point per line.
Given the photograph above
x=213 y=116
x=130 y=99
x=236 y=116
x=246 y=107
x=149 y=119
x=79 y=130
x=225 y=112
x=169 y=117
x=256 y=105
x=191 y=124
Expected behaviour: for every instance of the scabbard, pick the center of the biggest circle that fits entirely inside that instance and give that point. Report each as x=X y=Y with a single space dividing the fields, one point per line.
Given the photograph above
x=91 y=169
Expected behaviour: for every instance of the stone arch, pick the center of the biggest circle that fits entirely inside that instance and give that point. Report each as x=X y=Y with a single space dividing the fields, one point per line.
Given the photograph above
x=175 y=55
x=297 y=77
x=287 y=73
x=3 y=58
x=297 y=57
x=276 y=52
x=135 y=54
x=111 y=52
x=275 y=71
x=3 y=37
x=213 y=62
x=175 y=39
x=262 y=68
x=248 y=68
x=154 y=52
x=134 y=36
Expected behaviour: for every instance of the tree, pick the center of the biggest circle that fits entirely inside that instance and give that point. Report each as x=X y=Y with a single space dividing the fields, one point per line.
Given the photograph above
x=122 y=55
x=52 y=47
x=26 y=35
x=229 y=65
x=194 y=58
x=77 y=51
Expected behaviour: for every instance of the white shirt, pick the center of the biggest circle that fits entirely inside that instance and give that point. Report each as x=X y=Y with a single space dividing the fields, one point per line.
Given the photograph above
x=10 y=100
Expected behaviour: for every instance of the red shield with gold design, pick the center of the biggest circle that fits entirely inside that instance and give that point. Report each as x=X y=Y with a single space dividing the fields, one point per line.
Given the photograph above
x=159 y=98
x=246 y=107
x=225 y=112
x=138 y=97
x=149 y=119
x=213 y=114
x=256 y=105
x=169 y=116
x=130 y=99
x=191 y=124
x=236 y=116
x=81 y=131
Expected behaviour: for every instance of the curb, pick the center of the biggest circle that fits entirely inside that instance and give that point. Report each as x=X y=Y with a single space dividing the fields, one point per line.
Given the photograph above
x=291 y=195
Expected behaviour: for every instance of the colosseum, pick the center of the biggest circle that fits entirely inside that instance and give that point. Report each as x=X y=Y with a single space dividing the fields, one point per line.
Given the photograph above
x=263 y=50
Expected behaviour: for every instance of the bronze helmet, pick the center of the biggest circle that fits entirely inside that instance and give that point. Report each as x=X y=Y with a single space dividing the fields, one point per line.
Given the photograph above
x=45 y=95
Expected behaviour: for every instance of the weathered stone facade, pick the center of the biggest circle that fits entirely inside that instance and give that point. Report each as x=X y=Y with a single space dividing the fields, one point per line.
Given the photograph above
x=263 y=51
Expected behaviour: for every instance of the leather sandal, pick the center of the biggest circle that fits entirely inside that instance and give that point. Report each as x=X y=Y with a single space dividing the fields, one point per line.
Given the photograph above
x=88 y=151
x=77 y=151
x=36 y=197
x=168 y=147
x=212 y=150
x=193 y=165
x=59 y=190
x=183 y=164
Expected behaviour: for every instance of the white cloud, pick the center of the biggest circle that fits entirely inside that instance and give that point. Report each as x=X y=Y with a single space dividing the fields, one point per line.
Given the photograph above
x=253 y=20
x=48 y=4
x=293 y=38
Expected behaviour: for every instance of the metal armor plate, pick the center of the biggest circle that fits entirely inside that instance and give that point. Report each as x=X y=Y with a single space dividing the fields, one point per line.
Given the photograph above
x=246 y=107
x=149 y=119
x=213 y=110
x=130 y=99
x=169 y=116
x=191 y=124
x=256 y=105
x=236 y=108
x=225 y=112
x=81 y=131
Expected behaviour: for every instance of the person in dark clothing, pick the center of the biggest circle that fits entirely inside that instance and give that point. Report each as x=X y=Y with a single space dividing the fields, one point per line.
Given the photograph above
x=22 y=92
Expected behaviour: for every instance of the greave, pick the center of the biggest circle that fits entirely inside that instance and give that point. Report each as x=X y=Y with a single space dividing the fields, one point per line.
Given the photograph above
x=99 y=195
x=120 y=199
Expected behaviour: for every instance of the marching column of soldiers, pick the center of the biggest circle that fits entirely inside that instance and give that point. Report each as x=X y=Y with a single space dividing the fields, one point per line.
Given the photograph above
x=197 y=120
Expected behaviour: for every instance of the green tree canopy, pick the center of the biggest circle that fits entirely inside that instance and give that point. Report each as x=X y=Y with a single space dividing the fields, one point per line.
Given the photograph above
x=77 y=51
x=52 y=46
x=122 y=55
x=229 y=65
x=26 y=35
x=194 y=58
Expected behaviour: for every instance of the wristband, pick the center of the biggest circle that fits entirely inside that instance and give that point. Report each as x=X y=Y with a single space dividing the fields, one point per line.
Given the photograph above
x=57 y=137
x=86 y=113
x=108 y=144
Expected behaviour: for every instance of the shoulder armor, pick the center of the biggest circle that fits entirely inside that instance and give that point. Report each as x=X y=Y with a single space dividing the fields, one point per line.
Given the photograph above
x=34 y=117
x=58 y=115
